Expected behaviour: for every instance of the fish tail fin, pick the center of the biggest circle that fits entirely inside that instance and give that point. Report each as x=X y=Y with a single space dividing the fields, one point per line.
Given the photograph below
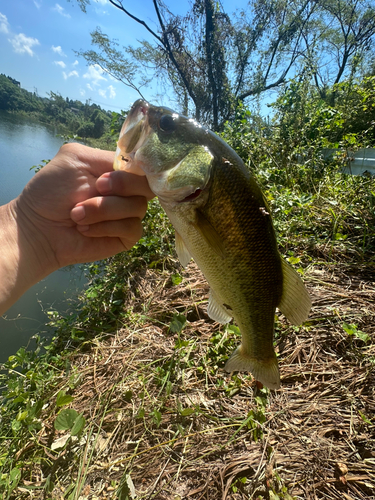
x=265 y=371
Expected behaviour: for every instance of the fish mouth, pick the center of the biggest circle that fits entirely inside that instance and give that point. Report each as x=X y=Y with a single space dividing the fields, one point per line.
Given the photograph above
x=193 y=196
x=134 y=132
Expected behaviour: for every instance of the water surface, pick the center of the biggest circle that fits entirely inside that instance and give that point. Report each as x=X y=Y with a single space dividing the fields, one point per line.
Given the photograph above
x=24 y=143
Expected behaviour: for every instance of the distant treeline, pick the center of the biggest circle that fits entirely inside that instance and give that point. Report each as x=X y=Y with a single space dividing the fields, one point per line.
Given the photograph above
x=85 y=120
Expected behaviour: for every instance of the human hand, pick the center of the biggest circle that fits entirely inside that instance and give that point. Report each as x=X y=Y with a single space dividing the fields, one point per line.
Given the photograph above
x=77 y=209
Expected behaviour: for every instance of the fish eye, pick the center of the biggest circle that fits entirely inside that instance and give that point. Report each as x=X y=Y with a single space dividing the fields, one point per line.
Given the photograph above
x=167 y=124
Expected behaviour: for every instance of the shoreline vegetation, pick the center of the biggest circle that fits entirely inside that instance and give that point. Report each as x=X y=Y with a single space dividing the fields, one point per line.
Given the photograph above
x=130 y=399
x=86 y=122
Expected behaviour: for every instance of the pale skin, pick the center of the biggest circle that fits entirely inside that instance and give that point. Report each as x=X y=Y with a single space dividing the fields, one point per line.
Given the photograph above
x=75 y=210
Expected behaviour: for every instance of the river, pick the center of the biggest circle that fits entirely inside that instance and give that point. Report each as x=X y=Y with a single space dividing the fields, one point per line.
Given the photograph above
x=23 y=144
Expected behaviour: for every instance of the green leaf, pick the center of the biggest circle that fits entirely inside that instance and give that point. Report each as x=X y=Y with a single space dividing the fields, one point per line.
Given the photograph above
x=22 y=415
x=364 y=418
x=156 y=415
x=187 y=411
x=340 y=237
x=176 y=279
x=362 y=336
x=293 y=260
x=233 y=329
x=16 y=425
x=65 y=419
x=353 y=330
x=349 y=329
x=63 y=399
x=78 y=426
x=128 y=396
x=177 y=324
x=14 y=477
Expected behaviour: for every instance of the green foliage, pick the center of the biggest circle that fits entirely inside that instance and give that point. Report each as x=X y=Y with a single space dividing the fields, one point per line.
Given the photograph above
x=211 y=60
x=318 y=213
x=116 y=123
x=306 y=120
x=70 y=419
x=305 y=191
x=63 y=399
x=42 y=164
x=177 y=324
x=352 y=331
x=14 y=98
x=28 y=381
x=72 y=117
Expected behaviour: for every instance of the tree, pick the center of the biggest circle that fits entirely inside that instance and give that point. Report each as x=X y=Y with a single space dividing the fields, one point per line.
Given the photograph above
x=213 y=61
x=340 y=40
x=14 y=98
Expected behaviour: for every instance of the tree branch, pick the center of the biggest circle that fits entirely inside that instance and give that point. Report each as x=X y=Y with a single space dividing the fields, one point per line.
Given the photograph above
x=145 y=25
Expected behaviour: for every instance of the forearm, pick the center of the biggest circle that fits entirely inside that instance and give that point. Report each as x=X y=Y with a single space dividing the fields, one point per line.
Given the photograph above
x=21 y=256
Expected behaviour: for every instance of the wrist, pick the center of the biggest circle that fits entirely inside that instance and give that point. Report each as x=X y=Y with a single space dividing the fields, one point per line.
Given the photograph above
x=25 y=259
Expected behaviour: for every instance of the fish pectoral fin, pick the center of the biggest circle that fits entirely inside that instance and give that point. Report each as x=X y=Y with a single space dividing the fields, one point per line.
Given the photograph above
x=209 y=233
x=216 y=311
x=295 y=301
x=183 y=253
x=264 y=370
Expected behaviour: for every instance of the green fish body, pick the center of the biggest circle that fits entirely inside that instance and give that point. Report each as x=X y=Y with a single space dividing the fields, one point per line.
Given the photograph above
x=221 y=220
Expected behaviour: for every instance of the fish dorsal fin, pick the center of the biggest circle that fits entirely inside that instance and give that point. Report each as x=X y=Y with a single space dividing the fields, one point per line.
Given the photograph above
x=182 y=252
x=209 y=233
x=216 y=311
x=295 y=301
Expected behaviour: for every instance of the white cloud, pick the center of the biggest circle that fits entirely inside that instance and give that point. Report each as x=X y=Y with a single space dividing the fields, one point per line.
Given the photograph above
x=75 y=63
x=112 y=92
x=60 y=63
x=82 y=92
x=89 y=87
x=4 y=24
x=23 y=44
x=102 y=93
x=68 y=75
x=102 y=2
x=60 y=10
x=37 y=4
x=94 y=73
x=58 y=50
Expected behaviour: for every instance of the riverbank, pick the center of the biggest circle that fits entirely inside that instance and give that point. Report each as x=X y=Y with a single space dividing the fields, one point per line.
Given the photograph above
x=106 y=141
x=131 y=399
x=152 y=414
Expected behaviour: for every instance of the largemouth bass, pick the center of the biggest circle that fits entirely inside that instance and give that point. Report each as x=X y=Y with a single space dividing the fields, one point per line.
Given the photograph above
x=222 y=220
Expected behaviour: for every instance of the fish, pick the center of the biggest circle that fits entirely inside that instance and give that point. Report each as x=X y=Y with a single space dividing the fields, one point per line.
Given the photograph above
x=221 y=220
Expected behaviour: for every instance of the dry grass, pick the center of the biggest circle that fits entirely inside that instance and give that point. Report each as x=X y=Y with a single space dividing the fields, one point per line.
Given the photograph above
x=169 y=422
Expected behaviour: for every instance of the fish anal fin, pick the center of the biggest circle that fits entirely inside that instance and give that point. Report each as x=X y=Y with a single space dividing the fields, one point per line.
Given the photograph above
x=265 y=371
x=183 y=253
x=209 y=233
x=216 y=311
x=295 y=301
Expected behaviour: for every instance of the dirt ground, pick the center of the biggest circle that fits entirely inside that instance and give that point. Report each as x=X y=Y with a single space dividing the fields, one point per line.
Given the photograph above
x=168 y=423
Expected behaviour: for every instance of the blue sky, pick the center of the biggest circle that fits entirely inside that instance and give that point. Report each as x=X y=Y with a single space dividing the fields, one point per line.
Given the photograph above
x=38 y=39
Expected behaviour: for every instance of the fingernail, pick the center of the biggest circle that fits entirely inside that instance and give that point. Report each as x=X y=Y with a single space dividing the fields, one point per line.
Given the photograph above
x=78 y=213
x=104 y=184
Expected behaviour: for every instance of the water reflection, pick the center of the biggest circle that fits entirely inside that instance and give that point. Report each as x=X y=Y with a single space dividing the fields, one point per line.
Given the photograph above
x=22 y=145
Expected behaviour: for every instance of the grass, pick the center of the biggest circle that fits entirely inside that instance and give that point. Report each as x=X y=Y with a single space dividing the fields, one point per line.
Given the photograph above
x=161 y=416
x=131 y=400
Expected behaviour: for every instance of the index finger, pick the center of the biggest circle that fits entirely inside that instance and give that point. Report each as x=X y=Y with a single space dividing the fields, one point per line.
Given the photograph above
x=121 y=183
